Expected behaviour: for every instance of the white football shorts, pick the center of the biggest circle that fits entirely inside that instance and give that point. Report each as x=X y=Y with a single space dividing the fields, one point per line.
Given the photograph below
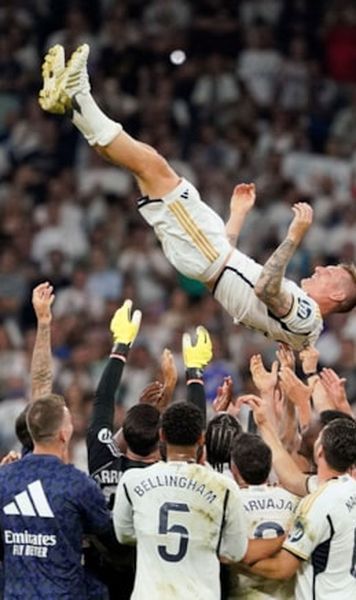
x=192 y=235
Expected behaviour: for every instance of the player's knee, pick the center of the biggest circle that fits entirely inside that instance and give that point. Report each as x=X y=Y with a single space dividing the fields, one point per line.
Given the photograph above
x=155 y=166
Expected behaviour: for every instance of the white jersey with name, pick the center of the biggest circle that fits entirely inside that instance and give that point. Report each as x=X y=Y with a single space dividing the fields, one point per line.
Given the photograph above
x=269 y=511
x=194 y=240
x=324 y=537
x=183 y=516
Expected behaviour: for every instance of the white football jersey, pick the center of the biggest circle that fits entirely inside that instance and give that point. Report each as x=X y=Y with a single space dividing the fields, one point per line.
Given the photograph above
x=269 y=511
x=324 y=537
x=183 y=516
x=234 y=289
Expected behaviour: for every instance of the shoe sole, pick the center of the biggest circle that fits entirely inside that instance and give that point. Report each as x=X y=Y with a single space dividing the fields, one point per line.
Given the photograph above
x=51 y=97
x=57 y=100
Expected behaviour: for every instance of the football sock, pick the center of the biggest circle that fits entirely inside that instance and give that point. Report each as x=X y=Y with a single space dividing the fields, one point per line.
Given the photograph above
x=96 y=127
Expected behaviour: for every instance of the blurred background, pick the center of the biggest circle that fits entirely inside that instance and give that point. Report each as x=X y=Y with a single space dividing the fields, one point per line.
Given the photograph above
x=229 y=91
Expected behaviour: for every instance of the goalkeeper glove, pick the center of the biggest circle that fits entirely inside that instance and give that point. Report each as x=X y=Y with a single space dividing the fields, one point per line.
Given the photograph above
x=198 y=356
x=125 y=328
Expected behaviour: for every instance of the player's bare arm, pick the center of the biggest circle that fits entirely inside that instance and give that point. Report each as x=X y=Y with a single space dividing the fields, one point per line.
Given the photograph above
x=282 y=566
x=289 y=474
x=269 y=284
x=41 y=364
x=242 y=200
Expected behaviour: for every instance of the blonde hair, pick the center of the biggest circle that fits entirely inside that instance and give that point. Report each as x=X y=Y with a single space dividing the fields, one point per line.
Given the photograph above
x=350 y=301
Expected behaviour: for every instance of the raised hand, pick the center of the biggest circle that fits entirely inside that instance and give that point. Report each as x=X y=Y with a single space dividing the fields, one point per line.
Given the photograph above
x=42 y=300
x=152 y=393
x=170 y=378
x=243 y=197
x=309 y=358
x=285 y=356
x=303 y=218
x=258 y=406
x=265 y=381
x=294 y=388
x=199 y=355
x=125 y=327
x=223 y=396
x=335 y=388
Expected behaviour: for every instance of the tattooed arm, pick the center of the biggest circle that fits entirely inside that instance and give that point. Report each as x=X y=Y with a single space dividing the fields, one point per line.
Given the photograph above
x=268 y=287
x=41 y=365
x=242 y=200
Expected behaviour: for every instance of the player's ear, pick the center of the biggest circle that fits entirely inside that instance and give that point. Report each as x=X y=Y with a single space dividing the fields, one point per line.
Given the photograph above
x=162 y=437
x=337 y=296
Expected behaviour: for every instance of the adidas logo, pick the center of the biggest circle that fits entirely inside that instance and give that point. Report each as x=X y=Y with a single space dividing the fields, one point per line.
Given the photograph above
x=185 y=194
x=30 y=503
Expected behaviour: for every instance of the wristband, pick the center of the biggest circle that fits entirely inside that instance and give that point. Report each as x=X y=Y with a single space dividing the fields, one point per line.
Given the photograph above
x=194 y=374
x=120 y=350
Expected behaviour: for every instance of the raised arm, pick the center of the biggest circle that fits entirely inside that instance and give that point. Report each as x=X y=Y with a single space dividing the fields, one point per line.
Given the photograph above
x=124 y=329
x=195 y=358
x=242 y=200
x=289 y=474
x=268 y=287
x=41 y=364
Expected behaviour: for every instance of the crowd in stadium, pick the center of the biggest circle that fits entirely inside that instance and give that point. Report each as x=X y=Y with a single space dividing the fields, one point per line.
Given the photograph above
x=228 y=92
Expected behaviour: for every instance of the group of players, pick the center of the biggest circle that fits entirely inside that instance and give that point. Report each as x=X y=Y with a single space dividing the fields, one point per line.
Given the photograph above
x=206 y=520
x=199 y=500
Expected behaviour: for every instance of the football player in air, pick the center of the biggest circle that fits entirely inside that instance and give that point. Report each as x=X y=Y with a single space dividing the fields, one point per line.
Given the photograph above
x=193 y=237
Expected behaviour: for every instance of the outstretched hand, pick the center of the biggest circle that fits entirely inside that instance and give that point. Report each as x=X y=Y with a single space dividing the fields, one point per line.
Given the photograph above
x=243 y=197
x=197 y=356
x=303 y=218
x=223 y=397
x=265 y=381
x=125 y=327
x=42 y=300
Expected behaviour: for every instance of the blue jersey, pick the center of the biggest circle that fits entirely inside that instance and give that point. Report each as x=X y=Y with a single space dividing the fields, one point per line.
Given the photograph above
x=46 y=507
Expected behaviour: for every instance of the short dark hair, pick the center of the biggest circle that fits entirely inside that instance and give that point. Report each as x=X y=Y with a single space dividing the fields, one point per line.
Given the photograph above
x=310 y=434
x=220 y=433
x=45 y=417
x=338 y=440
x=252 y=457
x=327 y=416
x=21 y=430
x=182 y=424
x=141 y=429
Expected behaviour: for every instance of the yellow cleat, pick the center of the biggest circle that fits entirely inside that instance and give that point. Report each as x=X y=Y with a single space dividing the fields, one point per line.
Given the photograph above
x=60 y=82
x=51 y=97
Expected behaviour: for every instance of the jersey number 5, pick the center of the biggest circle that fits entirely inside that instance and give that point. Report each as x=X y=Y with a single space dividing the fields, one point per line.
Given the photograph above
x=182 y=531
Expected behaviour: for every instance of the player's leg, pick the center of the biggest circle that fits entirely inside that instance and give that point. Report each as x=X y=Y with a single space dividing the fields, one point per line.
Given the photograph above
x=68 y=89
x=192 y=234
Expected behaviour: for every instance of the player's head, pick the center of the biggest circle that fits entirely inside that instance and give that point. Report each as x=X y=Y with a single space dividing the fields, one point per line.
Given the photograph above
x=336 y=445
x=22 y=432
x=251 y=459
x=49 y=422
x=220 y=433
x=182 y=425
x=311 y=433
x=141 y=429
x=333 y=287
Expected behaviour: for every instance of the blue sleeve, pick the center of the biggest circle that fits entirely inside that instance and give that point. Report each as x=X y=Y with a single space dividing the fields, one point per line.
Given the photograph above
x=92 y=503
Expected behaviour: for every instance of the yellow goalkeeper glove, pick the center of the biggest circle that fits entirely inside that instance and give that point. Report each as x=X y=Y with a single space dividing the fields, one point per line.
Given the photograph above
x=124 y=328
x=199 y=355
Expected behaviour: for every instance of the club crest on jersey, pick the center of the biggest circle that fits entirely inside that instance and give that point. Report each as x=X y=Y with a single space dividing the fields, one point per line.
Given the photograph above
x=297 y=532
x=304 y=308
x=105 y=435
x=185 y=194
